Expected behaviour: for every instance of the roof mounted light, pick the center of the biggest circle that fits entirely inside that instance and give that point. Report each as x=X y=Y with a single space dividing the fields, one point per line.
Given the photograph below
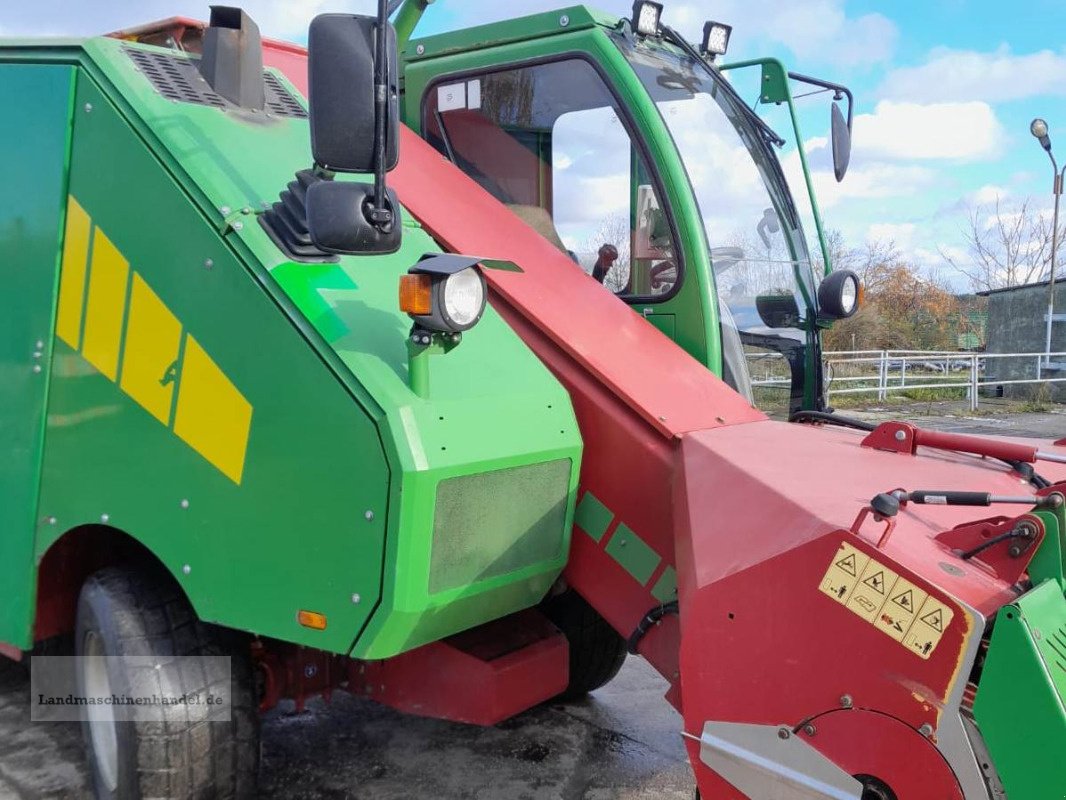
x=646 y=16
x=715 y=39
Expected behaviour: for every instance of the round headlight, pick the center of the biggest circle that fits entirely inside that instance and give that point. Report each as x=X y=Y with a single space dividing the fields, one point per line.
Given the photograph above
x=849 y=296
x=463 y=299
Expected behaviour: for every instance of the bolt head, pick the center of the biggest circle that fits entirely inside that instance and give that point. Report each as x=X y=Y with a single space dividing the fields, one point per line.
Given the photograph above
x=356 y=599
x=421 y=49
x=926 y=730
x=225 y=210
x=36 y=368
x=238 y=225
x=186 y=569
x=369 y=515
x=564 y=20
x=209 y=263
x=846 y=701
x=88 y=107
x=809 y=729
x=783 y=733
x=310 y=670
x=39 y=345
x=901 y=436
x=52 y=520
x=184 y=503
x=105 y=517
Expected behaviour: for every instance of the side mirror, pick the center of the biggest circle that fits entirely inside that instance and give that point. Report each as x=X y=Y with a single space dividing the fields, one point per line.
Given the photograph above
x=353 y=94
x=841 y=133
x=839 y=295
x=778 y=310
x=341 y=70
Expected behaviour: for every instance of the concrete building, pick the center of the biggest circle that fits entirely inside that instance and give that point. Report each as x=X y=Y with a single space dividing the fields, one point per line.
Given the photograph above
x=1017 y=324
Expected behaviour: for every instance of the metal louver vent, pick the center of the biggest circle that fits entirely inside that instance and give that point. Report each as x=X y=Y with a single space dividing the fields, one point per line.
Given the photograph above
x=176 y=77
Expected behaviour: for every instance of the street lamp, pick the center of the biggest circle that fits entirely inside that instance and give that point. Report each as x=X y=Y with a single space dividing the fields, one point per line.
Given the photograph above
x=1039 y=129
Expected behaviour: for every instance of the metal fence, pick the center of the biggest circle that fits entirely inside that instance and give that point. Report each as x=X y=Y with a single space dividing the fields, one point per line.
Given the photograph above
x=880 y=373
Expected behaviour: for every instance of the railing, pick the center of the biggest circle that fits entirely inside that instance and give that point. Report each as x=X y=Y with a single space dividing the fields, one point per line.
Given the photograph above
x=884 y=372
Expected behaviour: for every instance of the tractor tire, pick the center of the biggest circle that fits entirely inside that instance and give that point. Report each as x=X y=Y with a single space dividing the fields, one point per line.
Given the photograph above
x=122 y=612
x=597 y=651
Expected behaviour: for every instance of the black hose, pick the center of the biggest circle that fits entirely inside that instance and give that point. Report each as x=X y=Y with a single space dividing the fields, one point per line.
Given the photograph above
x=830 y=418
x=650 y=619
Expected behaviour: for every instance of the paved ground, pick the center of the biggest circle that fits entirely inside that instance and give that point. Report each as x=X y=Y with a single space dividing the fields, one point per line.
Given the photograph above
x=622 y=744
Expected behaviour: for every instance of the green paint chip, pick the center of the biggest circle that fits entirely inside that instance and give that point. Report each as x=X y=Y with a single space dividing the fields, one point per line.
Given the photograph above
x=592 y=516
x=634 y=554
x=665 y=588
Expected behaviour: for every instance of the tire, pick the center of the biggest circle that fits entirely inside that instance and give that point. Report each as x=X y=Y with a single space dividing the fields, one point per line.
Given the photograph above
x=122 y=612
x=597 y=651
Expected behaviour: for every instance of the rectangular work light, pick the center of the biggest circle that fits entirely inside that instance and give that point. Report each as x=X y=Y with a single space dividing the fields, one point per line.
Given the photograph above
x=716 y=38
x=646 y=17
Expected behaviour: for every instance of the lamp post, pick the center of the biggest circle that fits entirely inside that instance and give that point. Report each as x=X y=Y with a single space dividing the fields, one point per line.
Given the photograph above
x=1039 y=129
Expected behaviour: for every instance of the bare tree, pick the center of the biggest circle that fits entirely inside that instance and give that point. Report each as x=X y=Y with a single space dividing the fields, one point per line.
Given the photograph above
x=1007 y=246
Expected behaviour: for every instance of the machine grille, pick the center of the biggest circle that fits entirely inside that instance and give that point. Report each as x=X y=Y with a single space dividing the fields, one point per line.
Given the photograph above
x=177 y=78
x=494 y=523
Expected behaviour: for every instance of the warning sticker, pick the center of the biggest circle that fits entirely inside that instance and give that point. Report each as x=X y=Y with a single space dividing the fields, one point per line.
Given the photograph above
x=897 y=615
x=889 y=601
x=843 y=573
x=933 y=619
x=875 y=584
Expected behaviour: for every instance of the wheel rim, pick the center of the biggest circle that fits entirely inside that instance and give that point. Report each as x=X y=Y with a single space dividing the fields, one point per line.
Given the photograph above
x=101 y=718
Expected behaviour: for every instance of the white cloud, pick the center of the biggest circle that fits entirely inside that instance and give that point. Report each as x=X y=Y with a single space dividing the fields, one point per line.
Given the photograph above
x=963 y=75
x=899 y=233
x=989 y=193
x=950 y=131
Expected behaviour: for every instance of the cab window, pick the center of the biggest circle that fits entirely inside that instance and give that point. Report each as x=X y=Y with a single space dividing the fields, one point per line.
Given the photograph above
x=549 y=142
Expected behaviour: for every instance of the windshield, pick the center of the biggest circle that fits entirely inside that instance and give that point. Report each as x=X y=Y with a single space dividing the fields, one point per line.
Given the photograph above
x=761 y=264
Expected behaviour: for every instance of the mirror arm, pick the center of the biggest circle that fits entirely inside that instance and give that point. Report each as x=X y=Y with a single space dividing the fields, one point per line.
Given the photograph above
x=380 y=215
x=836 y=87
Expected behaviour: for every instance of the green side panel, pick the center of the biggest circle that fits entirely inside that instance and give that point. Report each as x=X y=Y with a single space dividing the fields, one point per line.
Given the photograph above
x=1049 y=563
x=35 y=147
x=665 y=588
x=592 y=516
x=634 y=554
x=1021 y=699
x=492 y=405
x=289 y=531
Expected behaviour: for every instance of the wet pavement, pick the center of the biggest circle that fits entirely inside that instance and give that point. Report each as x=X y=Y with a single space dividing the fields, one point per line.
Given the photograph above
x=623 y=743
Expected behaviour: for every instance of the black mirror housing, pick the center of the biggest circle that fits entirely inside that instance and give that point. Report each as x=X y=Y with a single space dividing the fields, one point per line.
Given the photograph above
x=839 y=295
x=841 y=137
x=341 y=66
x=778 y=310
x=338 y=219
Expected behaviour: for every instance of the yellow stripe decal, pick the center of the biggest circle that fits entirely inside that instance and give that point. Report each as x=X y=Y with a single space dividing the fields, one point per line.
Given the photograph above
x=153 y=335
x=72 y=274
x=107 y=301
x=210 y=415
x=213 y=417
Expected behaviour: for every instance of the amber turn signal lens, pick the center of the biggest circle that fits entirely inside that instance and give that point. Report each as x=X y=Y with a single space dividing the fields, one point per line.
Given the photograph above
x=416 y=294
x=312 y=619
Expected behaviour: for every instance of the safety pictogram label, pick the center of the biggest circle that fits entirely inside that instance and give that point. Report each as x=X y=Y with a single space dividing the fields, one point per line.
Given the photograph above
x=886 y=599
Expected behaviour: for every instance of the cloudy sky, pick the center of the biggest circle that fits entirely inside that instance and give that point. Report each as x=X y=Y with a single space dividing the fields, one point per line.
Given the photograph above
x=945 y=89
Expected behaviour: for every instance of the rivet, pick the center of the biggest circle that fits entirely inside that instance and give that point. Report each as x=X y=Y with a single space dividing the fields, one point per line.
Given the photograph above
x=421 y=49
x=246 y=210
x=209 y=263
x=564 y=20
x=662 y=419
x=369 y=515
x=105 y=517
x=186 y=569
x=88 y=107
x=809 y=729
x=36 y=367
x=310 y=671
x=39 y=345
x=184 y=503
x=52 y=520
x=36 y=353
x=901 y=436
x=926 y=730
x=356 y=599
x=845 y=701
x=783 y=733
x=238 y=225
x=224 y=210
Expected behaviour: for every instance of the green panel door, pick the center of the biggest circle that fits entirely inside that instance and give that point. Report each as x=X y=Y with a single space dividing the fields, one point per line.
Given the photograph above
x=35 y=144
